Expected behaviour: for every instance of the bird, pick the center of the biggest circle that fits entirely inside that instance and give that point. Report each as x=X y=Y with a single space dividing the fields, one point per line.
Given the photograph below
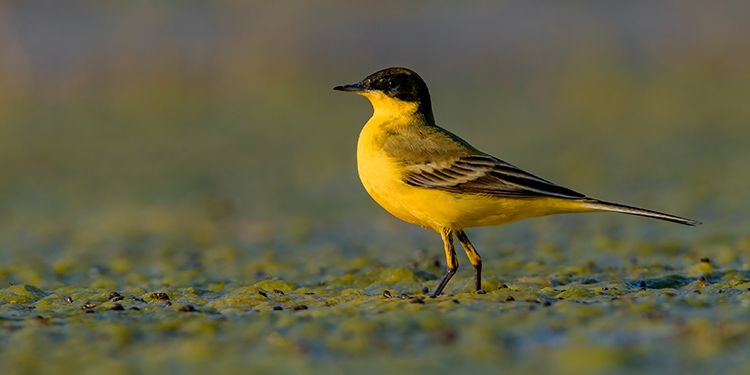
x=426 y=175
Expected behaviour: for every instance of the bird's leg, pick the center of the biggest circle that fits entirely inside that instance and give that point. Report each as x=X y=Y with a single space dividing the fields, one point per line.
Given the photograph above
x=474 y=257
x=451 y=261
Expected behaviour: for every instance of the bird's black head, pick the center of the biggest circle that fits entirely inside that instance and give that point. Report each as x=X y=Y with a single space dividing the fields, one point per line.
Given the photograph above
x=397 y=83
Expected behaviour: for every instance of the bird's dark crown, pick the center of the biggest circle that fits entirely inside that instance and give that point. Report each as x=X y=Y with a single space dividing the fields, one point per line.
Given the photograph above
x=400 y=83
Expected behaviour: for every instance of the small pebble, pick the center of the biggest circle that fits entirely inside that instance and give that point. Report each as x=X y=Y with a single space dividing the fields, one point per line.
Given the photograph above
x=387 y=294
x=262 y=293
x=187 y=308
x=88 y=305
x=299 y=307
x=69 y=299
x=510 y=299
x=705 y=260
x=117 y=307
x=278 y=308
x=160 y=295
x=114 y=297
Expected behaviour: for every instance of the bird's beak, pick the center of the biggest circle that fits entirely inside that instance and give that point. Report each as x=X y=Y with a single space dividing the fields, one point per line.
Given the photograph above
x=354 y=87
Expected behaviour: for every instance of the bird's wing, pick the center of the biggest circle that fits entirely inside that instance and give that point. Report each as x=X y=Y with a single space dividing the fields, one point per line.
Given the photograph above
x=484 y=174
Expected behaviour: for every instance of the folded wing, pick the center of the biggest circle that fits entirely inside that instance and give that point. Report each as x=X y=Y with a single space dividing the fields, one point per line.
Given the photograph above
x=485 y=174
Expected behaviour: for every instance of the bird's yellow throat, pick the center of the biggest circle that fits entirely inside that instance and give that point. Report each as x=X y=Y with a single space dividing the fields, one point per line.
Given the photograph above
x=386 y=106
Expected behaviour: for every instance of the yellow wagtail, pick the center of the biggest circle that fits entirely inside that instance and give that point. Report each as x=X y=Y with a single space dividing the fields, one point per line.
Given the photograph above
x=426 y=175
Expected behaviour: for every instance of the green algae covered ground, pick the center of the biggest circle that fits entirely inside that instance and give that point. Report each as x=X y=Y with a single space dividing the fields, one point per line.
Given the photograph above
x=169 y=298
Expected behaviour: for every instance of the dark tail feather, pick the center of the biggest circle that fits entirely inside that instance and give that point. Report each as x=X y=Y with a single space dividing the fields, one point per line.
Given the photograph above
x=598 y=205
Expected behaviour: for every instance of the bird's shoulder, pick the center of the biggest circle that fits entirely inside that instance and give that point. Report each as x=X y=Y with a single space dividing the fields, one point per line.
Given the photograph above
x=418 y=144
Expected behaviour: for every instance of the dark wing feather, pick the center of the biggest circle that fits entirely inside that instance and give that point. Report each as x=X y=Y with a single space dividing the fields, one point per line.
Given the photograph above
x=484 y=174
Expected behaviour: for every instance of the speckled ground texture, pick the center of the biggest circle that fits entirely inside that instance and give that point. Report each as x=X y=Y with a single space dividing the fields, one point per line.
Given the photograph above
x=161 y=302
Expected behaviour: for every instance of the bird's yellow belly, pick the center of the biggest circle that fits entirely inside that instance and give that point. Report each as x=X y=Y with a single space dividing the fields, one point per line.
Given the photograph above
x=385 y=185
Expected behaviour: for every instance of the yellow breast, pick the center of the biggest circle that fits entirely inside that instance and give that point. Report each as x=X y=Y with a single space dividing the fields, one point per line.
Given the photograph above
x=383 y=178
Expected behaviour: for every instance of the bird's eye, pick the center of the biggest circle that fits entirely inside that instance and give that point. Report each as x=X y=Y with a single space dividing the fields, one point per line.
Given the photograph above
x=392 y=84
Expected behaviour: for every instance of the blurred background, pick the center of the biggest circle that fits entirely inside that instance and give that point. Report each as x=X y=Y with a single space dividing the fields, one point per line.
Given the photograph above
x=150 y=116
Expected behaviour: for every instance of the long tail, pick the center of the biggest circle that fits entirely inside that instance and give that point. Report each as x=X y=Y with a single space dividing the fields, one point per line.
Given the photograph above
x=597 y=205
